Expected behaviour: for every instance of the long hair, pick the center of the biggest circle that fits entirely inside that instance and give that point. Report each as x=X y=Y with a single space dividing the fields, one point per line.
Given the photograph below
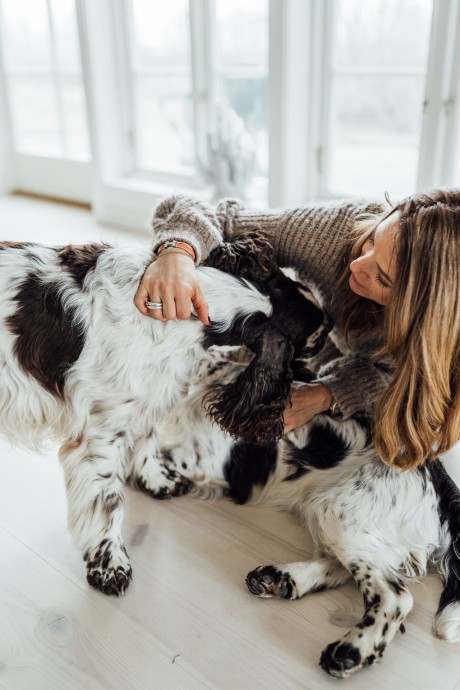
x=418 y=416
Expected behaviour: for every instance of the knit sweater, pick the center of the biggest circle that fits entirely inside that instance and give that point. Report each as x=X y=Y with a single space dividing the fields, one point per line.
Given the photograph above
x=314 y=240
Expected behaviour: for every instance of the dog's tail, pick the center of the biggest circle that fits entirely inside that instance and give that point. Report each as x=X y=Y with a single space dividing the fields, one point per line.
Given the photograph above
x=447 y=619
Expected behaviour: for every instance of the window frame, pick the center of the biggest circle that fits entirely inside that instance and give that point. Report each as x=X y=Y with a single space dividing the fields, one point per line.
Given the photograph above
x=36 y=174
x=300 y=40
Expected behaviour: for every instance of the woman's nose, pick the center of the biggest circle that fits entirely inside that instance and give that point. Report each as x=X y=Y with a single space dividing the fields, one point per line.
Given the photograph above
x=361 y=263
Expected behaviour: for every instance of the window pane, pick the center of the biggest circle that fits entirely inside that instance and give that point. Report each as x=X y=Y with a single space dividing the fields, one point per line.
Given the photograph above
x=243 y=32
x=162 y=86
x=74 y=110
x=164 y=122
x=374 y=140
x=382 y=33
x=242 y=77
x=26 y=35
x=248 y=98
x=45 y=87
x=66 y=35
x=161 y=33
x=377 y=91
x=34 y=115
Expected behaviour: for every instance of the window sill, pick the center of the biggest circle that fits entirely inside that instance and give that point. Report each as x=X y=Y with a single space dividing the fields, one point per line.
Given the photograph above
x=129 y=202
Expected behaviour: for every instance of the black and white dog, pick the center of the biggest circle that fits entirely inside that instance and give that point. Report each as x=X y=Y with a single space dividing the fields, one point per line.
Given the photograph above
x=81 y=365
x=377 y=525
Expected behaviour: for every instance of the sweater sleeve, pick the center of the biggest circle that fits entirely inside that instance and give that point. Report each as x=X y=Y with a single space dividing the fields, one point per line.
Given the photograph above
x=314 y=240
x=189 y=220
x=308 y=237
x=356 y=383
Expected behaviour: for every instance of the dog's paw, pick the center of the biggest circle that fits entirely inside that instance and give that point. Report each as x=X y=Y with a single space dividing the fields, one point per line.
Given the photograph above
x=269 y=581
x=341 y=659
x=108 y=568
x=166 y=485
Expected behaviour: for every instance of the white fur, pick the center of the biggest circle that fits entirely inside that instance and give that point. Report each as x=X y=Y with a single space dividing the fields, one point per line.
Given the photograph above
x=377 y=524
x=447 y=623
x=131 y=371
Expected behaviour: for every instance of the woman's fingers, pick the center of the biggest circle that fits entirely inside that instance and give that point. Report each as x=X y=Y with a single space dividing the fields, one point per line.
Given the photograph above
x=201 y=307
x=307 y=400
x=172 y=281
x=140 y=299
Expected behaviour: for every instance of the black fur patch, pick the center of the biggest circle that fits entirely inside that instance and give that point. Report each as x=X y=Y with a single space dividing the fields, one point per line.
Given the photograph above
x=449 y=512
x=48 y=341
x=79 y=260
x=244 y=331
x=248 y=466
x=325 y=449
x=251 y=407
x=340 y=657
x=295 y=315
x=270 y=580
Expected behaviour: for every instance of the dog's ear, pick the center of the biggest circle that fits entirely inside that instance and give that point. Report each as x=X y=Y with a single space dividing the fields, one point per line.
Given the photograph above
x=251 y=407
x=250 y=257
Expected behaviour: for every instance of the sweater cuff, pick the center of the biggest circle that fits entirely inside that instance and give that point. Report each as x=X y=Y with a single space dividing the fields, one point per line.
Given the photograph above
x=356 y=384
x=189 y=220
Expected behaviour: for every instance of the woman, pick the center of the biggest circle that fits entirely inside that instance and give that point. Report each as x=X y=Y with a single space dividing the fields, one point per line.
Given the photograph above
x=389 y=277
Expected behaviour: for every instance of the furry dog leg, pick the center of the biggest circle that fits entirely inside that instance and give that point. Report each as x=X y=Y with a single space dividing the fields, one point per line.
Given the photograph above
x=94 y=471
x=387 y=603
x=150 y=472
x=294 y=580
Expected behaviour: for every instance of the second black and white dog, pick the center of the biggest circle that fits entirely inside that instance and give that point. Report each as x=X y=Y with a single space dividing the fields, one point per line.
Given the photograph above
x=81 y=365
x=372 y=523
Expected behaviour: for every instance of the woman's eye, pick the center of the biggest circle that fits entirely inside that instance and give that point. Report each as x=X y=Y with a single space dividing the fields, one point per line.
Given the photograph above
x=380 y=281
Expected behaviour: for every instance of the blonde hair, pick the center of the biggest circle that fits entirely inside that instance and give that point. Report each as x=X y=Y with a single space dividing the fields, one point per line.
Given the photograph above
x=418 y=416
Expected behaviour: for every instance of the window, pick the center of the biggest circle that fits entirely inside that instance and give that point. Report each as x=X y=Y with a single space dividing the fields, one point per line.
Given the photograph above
x=278 y=102
x=198 y=76
x=242 y=71
x=161 y=82
x=43 y=77
x=377 y=88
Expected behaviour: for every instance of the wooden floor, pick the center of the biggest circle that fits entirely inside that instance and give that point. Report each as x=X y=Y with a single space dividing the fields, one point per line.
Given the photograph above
x=187 y=620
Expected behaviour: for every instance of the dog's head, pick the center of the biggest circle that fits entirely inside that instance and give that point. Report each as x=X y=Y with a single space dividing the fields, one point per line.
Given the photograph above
x=251 y=407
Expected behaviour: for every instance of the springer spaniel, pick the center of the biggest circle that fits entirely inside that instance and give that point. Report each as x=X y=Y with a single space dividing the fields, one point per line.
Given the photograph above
x=372 y=523
x=81 y=365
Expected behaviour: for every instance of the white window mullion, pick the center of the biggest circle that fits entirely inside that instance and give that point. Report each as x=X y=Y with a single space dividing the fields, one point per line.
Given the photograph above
x=101 y=78
x=450 y=168
x=202 y=23
x=57 y=81
x=7 y=176
x=290 y=66
x=123 y=24
x=321 y=88
x=434 y=121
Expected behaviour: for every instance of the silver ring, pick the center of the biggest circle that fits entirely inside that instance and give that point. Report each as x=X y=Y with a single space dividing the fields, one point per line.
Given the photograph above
x=154 y=306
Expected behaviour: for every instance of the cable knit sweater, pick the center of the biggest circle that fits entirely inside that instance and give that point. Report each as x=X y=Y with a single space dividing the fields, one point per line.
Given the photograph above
x=314 y=240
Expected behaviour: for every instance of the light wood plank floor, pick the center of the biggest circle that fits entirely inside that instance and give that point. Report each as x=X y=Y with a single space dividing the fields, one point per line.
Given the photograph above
x=187 y=620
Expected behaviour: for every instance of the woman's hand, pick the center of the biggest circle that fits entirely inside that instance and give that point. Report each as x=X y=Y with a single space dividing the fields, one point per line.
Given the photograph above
x=172 y=279
x=307 y=400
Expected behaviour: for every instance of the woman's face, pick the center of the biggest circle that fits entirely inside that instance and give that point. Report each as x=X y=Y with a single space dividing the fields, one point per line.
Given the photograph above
x=373 y=273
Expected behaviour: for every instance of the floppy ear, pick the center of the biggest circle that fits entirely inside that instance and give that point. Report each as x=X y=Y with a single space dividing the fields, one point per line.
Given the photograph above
x=251 y=407
x=251 y=257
